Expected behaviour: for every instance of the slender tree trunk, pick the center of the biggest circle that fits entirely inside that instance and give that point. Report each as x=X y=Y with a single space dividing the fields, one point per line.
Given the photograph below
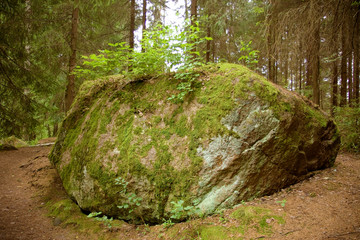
x=270 y=43
x=55 y=130
x=300 y=67
x=350 y=82
x=27 y=21
x=276 y=69
x=356 y=59
x=213 y=50
x=193 y=15
x=143 y=23
x=132 y=24
x=351 y=18
x=208 y=42
x=286 y=69
x=334 y=80
x=193 y=12
x=157 y=12
x=335 y=63
x=70 y=88
x=186 y=10
x=314 y=62
x=343 y=69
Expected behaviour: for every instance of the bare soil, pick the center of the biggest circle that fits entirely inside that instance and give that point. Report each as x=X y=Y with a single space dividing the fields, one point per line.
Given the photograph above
x=326 y=206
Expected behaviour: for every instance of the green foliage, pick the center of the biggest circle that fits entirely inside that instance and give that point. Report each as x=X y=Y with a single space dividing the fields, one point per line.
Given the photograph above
x=179 y=212
x=168 y=223
x=132 y=201
x=249 y=56
x=187 y=74
x=107 y=221
x=282 y=202
x=348 y=121
x=165 y=49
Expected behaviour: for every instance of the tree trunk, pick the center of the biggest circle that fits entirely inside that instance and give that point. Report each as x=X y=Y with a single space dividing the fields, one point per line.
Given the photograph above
x=356 y=59
x=157 y=12
x=286 y=69
x=300 y=67
x=193 y=15
x=335 y=62
x=270 y=43
x=208 y=42
x=213 y=50
x=55 y=130
x=143 y=22
x=132 y=24
x=314 y=62
x=349 y=75
x=70 y=88
x=343 y=68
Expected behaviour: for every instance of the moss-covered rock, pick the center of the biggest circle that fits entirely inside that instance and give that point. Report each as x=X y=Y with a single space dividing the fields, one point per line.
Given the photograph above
x=127 y=151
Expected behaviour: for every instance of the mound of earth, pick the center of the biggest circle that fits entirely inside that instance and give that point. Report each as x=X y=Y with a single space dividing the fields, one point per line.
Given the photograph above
x=12 y=143
x=127 y=151
x=7 y=147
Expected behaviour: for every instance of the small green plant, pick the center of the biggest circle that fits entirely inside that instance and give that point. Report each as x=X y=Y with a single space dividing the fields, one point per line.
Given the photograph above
x=179 y=212
x=223 y=220
x=282 y=202
x=132 y=201
x=249 y=55
x=312 y=194
x=107 y=221
x=187 y=75
x=167 y=223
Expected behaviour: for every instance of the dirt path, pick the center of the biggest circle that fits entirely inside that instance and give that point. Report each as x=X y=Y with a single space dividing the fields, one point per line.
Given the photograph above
x=326 y=206
x=21 y=215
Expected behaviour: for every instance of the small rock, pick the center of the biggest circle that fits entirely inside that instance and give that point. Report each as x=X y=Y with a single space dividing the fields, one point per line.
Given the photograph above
x=57 y=221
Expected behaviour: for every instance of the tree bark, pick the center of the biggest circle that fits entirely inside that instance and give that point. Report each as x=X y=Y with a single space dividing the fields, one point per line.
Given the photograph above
x=270 y=43
x=314 y=62
x=213 y=50
x=208 y=42
x=286 y=69
x=157 y=12
x=300 y=66
x=343 y=89
x=356 y=58
x=143 y=22
x=335 y=62
x=132 y=24
x=193 y=14
x=70 y=88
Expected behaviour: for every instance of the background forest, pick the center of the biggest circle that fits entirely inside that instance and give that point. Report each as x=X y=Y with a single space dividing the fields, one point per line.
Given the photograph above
x=307 y=46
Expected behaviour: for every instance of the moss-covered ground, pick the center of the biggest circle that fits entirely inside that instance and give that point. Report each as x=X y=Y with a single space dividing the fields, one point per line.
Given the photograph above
x=239 y=223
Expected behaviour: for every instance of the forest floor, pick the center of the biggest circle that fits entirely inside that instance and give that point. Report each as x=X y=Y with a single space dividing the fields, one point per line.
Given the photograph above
x=325 y=206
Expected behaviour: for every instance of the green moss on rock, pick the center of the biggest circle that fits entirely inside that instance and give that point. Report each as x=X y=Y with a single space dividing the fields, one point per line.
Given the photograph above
x=229 y=140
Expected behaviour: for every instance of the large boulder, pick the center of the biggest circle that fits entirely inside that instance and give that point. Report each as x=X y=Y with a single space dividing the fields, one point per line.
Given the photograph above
x=124 y=149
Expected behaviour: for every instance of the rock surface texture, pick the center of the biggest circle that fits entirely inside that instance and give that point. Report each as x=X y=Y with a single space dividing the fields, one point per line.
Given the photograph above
x=127 y=151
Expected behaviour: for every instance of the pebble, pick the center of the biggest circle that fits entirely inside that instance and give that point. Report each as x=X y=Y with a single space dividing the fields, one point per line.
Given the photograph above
x=57 y=221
